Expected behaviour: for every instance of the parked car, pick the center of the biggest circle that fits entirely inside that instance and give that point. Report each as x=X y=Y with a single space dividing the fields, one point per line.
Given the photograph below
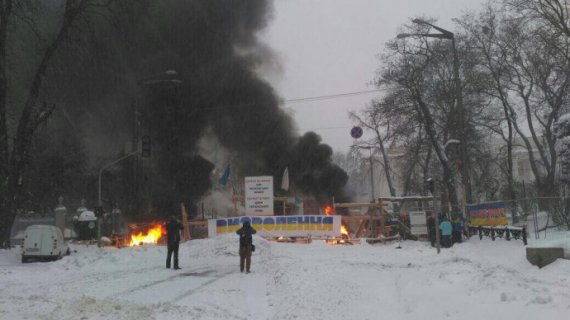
x=43 y=242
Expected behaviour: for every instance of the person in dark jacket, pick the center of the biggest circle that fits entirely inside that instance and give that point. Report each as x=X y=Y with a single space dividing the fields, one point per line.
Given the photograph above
x=457 y=229
x=173 y=228
x=445 y=228
x=431 y=229
x=245 y=245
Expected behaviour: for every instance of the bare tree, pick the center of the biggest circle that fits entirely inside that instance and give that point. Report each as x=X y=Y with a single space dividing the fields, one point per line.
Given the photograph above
x=417 y=71
x=395 y=127
x=76 y=14
x=551 y=12
x=6 y=8
x=489 y=58
x=529 y=67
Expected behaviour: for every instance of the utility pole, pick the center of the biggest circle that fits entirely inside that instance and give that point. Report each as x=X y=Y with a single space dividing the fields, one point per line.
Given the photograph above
x=465 y=177
x=136 y=164
x=445 y=34
x=373 y=193
x=372 y=175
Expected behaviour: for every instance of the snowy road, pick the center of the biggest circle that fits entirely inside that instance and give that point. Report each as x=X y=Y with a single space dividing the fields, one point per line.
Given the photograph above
x=474 y=280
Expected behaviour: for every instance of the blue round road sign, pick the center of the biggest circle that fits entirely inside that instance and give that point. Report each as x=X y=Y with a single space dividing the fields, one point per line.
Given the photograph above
x=356 y=132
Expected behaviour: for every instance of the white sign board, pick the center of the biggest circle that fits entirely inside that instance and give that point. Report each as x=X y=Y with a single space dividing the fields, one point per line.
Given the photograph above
x=418 y=223
x=277 y=226
x=259 y=196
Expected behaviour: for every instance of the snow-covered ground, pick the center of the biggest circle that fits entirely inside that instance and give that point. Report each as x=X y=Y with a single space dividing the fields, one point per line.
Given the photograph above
x=473 y=280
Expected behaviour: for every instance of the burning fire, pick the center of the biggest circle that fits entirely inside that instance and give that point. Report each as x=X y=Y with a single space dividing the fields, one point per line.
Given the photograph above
x=344 y=232
x=155 y=232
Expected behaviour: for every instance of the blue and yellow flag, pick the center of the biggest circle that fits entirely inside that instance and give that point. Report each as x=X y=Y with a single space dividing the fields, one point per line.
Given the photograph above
x=225 y=177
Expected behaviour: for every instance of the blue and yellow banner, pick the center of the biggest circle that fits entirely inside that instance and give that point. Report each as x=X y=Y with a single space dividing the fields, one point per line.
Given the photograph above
x=279 y=226
x=488 y=214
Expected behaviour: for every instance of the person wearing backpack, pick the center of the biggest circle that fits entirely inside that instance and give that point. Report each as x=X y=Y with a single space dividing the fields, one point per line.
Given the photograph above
x=173 y=228
x=245 y=245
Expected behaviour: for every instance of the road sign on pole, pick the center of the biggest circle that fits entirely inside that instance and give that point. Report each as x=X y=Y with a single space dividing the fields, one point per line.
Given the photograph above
x=356 y=132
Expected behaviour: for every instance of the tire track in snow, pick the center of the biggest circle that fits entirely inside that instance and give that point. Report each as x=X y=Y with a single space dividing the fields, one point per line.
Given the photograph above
x=202 y=285
x=157 y=282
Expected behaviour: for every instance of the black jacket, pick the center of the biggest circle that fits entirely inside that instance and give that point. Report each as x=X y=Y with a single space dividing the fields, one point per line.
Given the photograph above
x=173 y=228
x=245 y=238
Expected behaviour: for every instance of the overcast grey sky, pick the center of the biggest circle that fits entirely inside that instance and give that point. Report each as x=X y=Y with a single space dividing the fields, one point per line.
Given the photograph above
x=331 y=46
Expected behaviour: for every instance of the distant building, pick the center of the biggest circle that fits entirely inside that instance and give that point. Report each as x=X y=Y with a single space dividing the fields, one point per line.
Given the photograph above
x=522 y=171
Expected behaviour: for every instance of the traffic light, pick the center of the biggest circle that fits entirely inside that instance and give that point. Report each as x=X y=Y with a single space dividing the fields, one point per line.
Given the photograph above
x=145 y=148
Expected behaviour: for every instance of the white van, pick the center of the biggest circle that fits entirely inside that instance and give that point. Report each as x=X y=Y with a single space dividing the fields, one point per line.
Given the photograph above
x=43 y=242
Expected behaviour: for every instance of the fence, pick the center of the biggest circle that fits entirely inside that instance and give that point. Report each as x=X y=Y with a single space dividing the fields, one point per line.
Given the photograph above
x=543 y=217
x=507 y=232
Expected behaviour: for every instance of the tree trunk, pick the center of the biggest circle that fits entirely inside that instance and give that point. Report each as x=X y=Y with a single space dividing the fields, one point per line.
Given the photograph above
x=386 y=163
x=510 y=180
x=5 y=10
x=426 y=172
x=5 y=220
x=448 y=176
x=32 y=116
x=412 y=164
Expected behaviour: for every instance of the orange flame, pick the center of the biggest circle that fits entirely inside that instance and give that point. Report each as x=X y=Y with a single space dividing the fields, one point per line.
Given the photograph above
x=344 y=231
x=151 y=237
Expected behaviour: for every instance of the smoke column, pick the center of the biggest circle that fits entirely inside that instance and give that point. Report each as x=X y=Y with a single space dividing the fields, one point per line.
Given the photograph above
x=212 y=46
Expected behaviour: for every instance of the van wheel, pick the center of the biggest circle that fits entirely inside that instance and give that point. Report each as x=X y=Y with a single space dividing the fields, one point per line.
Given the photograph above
x=25 y=259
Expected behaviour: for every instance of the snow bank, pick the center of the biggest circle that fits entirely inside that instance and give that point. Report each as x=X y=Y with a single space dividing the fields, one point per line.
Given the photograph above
x=553 y=239
x=472 y=280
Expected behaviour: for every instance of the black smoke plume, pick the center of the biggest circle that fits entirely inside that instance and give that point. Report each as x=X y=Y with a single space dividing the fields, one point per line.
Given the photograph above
x=212 y=46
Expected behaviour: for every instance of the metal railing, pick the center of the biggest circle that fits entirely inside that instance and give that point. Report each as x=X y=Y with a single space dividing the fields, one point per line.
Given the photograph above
x=539 y=215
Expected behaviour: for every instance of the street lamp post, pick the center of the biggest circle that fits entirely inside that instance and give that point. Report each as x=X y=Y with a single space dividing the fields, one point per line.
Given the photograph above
x=373 y=194
x=143 y=126
x=99 y=198
x=103 y=168
x=445 y=34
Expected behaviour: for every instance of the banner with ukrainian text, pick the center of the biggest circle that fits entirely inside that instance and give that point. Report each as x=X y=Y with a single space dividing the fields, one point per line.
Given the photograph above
x=279 y=226
x=488 y=214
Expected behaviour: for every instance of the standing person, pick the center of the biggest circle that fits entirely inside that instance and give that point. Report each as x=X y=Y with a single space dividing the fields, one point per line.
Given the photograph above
x=466 y=231
x=445 y=227
x=431 y=229
x=173 y=228
x=245 y=245
x=457 y=228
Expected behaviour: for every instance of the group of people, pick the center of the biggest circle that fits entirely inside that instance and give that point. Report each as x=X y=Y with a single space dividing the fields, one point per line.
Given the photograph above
x=246 y=247
x=450 y=230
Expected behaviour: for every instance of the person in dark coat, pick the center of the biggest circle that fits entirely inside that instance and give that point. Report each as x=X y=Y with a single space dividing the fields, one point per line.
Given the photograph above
x=431 y=229
x=457 y=229
x=245 y=245
x=173 y=228
x=445 y=227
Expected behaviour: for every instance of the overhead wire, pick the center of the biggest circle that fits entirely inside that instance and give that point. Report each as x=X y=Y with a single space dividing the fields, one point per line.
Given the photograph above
x=298 y=100
x=333 y=96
